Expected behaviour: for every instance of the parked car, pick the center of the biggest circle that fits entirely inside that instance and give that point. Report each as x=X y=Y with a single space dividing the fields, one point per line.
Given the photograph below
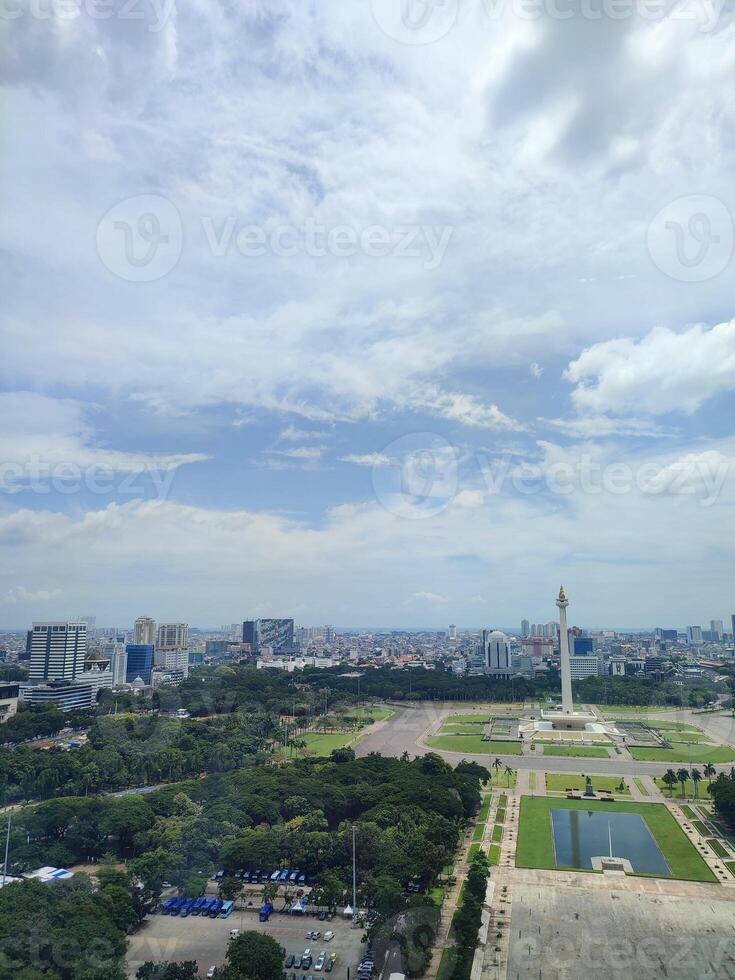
x=302 y=878
x=234 y=933
x=293 y=877
x=283 y=876
x=290 y=959
x=319 y=965
x=330 y=965
x=211 y=971
x=328 y=936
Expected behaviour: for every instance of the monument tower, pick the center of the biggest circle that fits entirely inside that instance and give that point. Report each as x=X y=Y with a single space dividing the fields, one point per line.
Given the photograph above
x=567 y=705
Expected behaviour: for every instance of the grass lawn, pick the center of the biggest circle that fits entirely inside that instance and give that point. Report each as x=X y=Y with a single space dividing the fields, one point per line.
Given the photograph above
x=698 y=754
x=633 y=709
x=700 y=828
x=370 y=714
x=477 y=719
x=535 y=845
x=497 y=834
x=479 y=832
x=500 y=816
x=493 y=854
x=673 y=726
x=483 y=812
x=688 y=738
x=688 y=812
x=532 y=781
x=730 y=865
x=321 y=743
x=688 y=788
x=473 y=849
x=558 y=782
x=581 y=751
x=641 y=786
x=463 y=728
x=472 y=744
x=502 y=800
x=718 y=848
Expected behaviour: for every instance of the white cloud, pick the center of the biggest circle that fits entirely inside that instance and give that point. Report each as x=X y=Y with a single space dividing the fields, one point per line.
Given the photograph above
x=20 y=594
x=367 y=459
x=665 y=371
x=535 y=370
x=471 y=499
x=42 y=436
x=604 y=426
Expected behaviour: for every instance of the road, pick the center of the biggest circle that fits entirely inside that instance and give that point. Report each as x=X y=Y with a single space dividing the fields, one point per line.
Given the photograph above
x=410 y=724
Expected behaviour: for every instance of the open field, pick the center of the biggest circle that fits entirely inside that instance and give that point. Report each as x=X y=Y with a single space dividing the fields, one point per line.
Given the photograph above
x=370 y=714
x=673 y=726
x=535 y=847
x=558 y=782
x=464 y=727
x=696 y=755
x=472 y=744
x=322 y=743
x=581 y=751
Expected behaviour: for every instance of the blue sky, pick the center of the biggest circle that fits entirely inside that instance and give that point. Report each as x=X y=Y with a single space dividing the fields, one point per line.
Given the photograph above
x=367 y=313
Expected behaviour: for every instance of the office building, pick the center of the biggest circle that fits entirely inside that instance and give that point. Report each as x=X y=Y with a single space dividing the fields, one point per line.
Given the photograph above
x=144 y=631
x=525 y=629
x=140 y=662
x=583 y=646
x=172 y=636
x=694 y=635
x=66 y=693
x=119 y=665
x=717 y=629
x=58 y=650
x=495 y=648
x=250 y=633
x=277 y=634
x=8 y=700
x=176 y=659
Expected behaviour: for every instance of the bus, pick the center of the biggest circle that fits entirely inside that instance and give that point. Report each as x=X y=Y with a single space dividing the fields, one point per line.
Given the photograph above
x=214 y=909
x=186 y=907
x=177 y=907
x=226 y=909
x=168 y=905
x=208 y=903
x=198 y=905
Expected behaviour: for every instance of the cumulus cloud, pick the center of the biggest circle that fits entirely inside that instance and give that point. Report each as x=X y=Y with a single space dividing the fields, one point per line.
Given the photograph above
x=367 y=459
x=665 y=371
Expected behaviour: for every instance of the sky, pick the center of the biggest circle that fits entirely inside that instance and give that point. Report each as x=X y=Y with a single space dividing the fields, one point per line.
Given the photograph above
x=367 y=311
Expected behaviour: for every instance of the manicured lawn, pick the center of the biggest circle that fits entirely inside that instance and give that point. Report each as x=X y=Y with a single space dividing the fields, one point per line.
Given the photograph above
x=632 y=709
x=483 y=812
x=687 y=738
x=476 y=719
x=500 y=816
x=493 y=854
x=465 y=728
x=321 y=743
x=558 y=782
x=535 y=840
x=700 y=828
x=688 y=788
x=641 y=786
x=698 y=754
x=497 y=835
x=673 y=726
x=437 y=895
x=473 y=744
x=688 y=812
x=473 y=849
x=502 y=800
x=370 y=714
x=532 y=781
x=479 y=832
x=719 y=850
x=730 y=865
x=581 y=751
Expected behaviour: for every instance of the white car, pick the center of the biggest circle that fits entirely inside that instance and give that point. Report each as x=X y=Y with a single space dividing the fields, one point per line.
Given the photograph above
x=234 y=933
x=328 y=936
x=319 y=965
x=211 y=971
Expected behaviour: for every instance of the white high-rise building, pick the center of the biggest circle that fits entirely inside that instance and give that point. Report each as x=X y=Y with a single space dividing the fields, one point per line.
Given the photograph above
x=495 y=650
x=176 y=659
x=144 y=631
x=717 y=628
x=119 y=664
x=525 y=629
x=174 y=636
x=452 y=632
x=58 y=650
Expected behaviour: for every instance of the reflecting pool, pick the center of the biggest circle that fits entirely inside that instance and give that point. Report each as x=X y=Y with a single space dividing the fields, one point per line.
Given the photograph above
x=580 y=835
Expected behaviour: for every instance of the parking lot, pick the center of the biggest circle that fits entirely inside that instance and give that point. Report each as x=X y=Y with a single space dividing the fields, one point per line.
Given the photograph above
x=163 y=937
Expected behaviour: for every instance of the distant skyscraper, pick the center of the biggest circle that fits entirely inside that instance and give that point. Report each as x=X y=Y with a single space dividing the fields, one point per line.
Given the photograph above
x=144 y=630
x=119 y=665
x=717 y=629
x=173 y=636
x=140 y=662
x=525 y=628
x=732 y=624
x=694 y=635
x=276 y=634
x=583 y=646
x=58 y=650
x=496 y=654
x=330 y=634
x=250 y=632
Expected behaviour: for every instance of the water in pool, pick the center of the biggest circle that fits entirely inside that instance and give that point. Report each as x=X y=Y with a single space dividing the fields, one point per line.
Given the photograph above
x=580 y=835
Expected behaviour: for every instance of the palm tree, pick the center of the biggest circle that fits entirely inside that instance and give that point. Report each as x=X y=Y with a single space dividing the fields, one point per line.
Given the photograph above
x=671 y=779
x=709 y=771
x=696 y=779
x=497 y=765
x=682 y=775
x=508 y=773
